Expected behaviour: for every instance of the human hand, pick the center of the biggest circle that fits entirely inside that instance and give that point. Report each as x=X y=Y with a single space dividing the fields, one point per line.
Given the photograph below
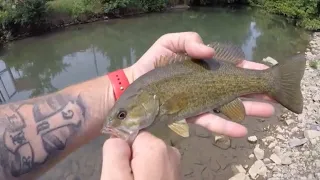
x=150 y=158
x=191 y=43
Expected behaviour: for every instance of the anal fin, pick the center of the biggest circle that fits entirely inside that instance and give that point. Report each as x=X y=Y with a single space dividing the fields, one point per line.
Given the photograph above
x=234 y=110
x=180 y=127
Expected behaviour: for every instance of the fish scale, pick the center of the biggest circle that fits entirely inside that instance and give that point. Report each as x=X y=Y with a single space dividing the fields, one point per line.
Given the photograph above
x=181 y=87
x=213 y=91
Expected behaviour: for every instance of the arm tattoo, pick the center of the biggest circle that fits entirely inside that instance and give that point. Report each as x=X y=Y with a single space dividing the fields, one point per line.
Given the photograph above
x=33 y=131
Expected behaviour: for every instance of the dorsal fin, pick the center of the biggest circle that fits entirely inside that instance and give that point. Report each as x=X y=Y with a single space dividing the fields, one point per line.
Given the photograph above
x=169 y=59
x=227 y=52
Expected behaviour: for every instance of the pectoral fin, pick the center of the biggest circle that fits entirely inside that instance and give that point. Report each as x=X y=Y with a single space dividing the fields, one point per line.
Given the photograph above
x=227 y=52
x=234 y=110
x=180 y=127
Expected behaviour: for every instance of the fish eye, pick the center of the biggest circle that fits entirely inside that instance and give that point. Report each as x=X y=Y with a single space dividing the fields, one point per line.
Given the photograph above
x=122 y=114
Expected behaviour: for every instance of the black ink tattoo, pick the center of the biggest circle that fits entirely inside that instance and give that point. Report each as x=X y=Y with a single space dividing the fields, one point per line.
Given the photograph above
x=26 y=162
x=67 y=115
x=14 y=123
x=52 y=143
x=42 y=126
x=81 y=104
x=12 y=118
x=18 y=138
x=55 y=103
x=36 y=131
x=38 y=116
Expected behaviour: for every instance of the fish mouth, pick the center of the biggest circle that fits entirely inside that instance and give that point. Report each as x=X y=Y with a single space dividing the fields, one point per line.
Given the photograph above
x=124 y=134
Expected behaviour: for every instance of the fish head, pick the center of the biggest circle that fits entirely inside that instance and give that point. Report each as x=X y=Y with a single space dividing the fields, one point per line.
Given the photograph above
x=131 y=114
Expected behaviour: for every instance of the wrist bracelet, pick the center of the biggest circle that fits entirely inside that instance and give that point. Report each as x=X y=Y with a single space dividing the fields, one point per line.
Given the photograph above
x=119 y=82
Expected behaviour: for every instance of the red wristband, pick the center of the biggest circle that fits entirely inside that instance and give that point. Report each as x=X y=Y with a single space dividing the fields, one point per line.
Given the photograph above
x=119 y=82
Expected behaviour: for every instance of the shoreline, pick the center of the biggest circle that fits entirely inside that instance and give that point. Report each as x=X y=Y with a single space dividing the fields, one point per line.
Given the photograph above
x=60 y=22
x=290 y=149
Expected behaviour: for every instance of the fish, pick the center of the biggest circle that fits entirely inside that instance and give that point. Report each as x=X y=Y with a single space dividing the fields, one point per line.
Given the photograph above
x=180 y=87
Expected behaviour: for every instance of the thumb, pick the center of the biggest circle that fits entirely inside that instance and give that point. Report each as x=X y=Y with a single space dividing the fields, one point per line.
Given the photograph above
x=189 y=42
x=116 y=160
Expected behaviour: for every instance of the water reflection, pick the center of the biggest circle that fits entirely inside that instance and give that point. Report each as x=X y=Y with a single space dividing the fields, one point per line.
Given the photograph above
x=40 y=65
x=9 y=84
x=251 y=42
x=31 y=79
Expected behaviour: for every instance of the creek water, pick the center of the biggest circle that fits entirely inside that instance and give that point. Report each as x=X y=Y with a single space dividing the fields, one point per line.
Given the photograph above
x=39 y=65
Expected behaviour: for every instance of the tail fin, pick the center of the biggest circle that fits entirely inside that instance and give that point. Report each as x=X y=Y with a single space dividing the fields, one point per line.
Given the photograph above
x=288 y=77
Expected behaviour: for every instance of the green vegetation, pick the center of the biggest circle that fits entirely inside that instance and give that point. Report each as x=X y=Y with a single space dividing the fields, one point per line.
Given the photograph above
x=27 y=14
x=75 y=8
x=126 y=41
x=304 y=13
x=34 y=16
x=314 y=64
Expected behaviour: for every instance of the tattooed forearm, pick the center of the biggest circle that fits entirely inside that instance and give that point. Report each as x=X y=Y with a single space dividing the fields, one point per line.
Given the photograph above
x=33 y=131
x=37 y=133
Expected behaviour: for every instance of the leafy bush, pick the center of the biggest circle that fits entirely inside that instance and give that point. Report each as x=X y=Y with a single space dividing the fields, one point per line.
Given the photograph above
x=75 y=8
x=154 y=5
x=221 y=2
x=26 y=15
x=144 y=5
x=305 y=13
x=314 y=64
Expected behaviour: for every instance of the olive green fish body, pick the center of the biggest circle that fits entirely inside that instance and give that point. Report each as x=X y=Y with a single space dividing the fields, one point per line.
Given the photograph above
x=181 y=87
x=201 y=92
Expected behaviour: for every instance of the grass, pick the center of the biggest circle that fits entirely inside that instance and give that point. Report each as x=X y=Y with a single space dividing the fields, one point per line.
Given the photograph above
x=75 y=8
x=314 y=64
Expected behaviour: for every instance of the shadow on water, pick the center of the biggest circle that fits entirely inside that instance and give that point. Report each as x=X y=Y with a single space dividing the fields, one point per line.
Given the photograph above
x=44 y=64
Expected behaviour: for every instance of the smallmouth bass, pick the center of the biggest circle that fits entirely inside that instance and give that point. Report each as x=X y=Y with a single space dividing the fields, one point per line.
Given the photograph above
x=181 y=87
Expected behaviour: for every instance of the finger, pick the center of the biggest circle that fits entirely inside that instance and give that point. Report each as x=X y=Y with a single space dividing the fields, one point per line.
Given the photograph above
x=175 y=158
x=219 y=125
x=252 y=65
x=226 y=127
x=261 y=97
x=175 y=151
x=259 y=109
x=175 y=154
x=116 y=160
x=139 y=145
x=189 y=42
x=150 y=157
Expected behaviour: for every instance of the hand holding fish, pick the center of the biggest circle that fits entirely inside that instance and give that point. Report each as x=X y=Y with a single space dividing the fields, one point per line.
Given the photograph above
x=150 y=158
x=191 y=44
x=173 y=90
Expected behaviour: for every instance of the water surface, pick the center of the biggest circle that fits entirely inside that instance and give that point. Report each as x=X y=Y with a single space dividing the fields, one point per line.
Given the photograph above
x=44 y=64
